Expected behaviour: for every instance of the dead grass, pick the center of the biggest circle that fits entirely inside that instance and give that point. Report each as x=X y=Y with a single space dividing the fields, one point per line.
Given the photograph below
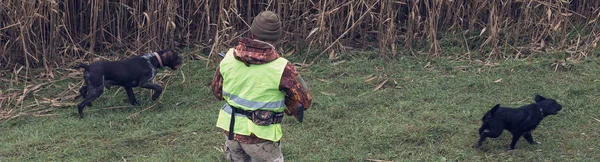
x=54 y=34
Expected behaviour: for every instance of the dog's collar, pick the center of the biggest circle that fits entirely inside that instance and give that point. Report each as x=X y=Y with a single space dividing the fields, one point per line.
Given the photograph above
x=158 y=58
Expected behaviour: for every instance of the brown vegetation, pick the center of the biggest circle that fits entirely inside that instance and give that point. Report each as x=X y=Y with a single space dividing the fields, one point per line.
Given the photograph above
x=48 y=33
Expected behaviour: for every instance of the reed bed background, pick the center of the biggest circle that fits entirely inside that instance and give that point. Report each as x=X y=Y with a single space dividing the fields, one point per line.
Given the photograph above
x=50 y=33
x=46 y=34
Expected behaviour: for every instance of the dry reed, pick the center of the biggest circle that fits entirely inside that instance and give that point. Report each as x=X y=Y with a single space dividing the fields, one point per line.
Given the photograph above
x=52 y=33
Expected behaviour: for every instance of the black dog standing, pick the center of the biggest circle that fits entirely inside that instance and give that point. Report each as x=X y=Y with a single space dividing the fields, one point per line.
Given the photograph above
x=133 y=72
x=520 y=121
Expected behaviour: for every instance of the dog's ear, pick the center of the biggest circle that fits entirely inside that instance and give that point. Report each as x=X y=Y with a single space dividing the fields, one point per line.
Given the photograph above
x=173 y=59
x=82 y=65
x=165 y=54
x=539 y=98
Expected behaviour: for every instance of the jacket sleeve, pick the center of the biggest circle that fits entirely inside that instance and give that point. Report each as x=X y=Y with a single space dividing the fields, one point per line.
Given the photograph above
x=217 y=85
x=295 y=93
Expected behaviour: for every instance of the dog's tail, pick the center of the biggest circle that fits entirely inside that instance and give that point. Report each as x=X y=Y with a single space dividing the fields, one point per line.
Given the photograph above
x=493 y=110
x=84 y=66
x=490 y=113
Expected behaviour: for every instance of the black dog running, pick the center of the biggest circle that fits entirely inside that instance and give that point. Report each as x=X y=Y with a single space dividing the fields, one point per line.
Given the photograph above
x=133 y=72
x=520 y=121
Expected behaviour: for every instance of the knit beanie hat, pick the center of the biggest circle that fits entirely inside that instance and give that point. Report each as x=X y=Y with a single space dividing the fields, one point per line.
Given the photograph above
x=266 y=26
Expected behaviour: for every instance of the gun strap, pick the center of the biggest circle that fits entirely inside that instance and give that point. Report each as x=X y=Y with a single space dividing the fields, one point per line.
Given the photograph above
x=231 y=124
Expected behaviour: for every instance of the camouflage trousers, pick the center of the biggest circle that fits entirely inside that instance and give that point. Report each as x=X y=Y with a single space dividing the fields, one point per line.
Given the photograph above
x=266 y=151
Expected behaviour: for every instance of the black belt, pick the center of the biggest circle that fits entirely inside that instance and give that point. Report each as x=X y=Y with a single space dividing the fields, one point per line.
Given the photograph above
x=277 y=118
x=241 y=111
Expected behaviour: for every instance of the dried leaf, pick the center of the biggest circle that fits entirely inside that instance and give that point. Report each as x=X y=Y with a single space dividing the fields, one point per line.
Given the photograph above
x=289 y=53
x=557 y=26
x=75 y=75
x=427 y=66
x=482 y=30
x=371 y=79
x=173 y=24
x=198 y=57
x=339 y=62
x=592 y=21
x=332 y=55
x=62 y=104
x=312 y=32
x=51 y=74
x=147 y=18
x=400 y=2
x=380 y=85
x=70 y=97
x=566 y=14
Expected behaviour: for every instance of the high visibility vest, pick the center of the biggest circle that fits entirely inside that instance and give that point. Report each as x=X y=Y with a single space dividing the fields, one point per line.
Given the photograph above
x=254 y=87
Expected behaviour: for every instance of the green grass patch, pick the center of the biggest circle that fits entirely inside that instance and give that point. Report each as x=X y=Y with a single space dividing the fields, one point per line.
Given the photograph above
x=411 y=109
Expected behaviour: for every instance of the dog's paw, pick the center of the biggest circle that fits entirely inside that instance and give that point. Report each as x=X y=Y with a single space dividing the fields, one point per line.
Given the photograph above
x=135 y=103
x=155 y=96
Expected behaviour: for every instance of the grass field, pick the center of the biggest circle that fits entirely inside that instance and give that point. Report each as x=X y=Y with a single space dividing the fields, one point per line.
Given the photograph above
x=411 y=109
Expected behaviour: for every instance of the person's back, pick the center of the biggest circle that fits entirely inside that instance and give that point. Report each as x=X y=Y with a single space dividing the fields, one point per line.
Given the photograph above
x=258 y=86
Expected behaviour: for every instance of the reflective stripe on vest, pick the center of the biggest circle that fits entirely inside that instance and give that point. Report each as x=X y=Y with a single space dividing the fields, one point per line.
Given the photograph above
x=254 y=104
